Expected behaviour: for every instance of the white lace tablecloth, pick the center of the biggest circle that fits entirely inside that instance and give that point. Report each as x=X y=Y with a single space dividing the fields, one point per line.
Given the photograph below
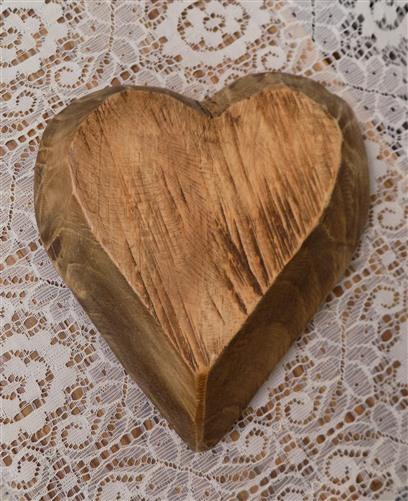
x=331 y=422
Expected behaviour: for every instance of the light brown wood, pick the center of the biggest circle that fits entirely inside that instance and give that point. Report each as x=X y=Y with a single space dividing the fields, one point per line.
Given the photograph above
x=202 y=237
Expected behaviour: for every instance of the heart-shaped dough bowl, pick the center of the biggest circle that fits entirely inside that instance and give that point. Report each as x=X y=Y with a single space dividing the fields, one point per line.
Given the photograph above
x=202 y=237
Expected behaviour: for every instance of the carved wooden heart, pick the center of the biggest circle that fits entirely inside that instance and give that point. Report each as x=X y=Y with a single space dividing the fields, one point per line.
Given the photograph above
x=202 y=237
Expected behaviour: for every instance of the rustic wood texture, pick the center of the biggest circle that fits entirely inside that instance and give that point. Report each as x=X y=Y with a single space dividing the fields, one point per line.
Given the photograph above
x=202 y=237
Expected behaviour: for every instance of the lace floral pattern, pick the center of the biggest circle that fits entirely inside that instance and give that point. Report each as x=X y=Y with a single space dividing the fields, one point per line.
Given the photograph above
x=331 y=422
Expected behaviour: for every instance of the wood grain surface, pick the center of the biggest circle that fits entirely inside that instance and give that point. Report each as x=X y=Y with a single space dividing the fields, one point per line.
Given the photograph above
x=202 y=237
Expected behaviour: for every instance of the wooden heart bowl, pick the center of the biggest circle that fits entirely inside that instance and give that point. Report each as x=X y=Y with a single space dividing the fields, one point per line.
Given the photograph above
x=201 y=237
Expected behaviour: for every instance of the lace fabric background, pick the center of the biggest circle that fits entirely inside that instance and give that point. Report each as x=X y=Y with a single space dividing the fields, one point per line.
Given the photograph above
x=331 y=422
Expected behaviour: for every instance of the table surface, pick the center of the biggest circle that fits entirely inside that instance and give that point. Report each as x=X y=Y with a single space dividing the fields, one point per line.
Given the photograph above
x=331 y=421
